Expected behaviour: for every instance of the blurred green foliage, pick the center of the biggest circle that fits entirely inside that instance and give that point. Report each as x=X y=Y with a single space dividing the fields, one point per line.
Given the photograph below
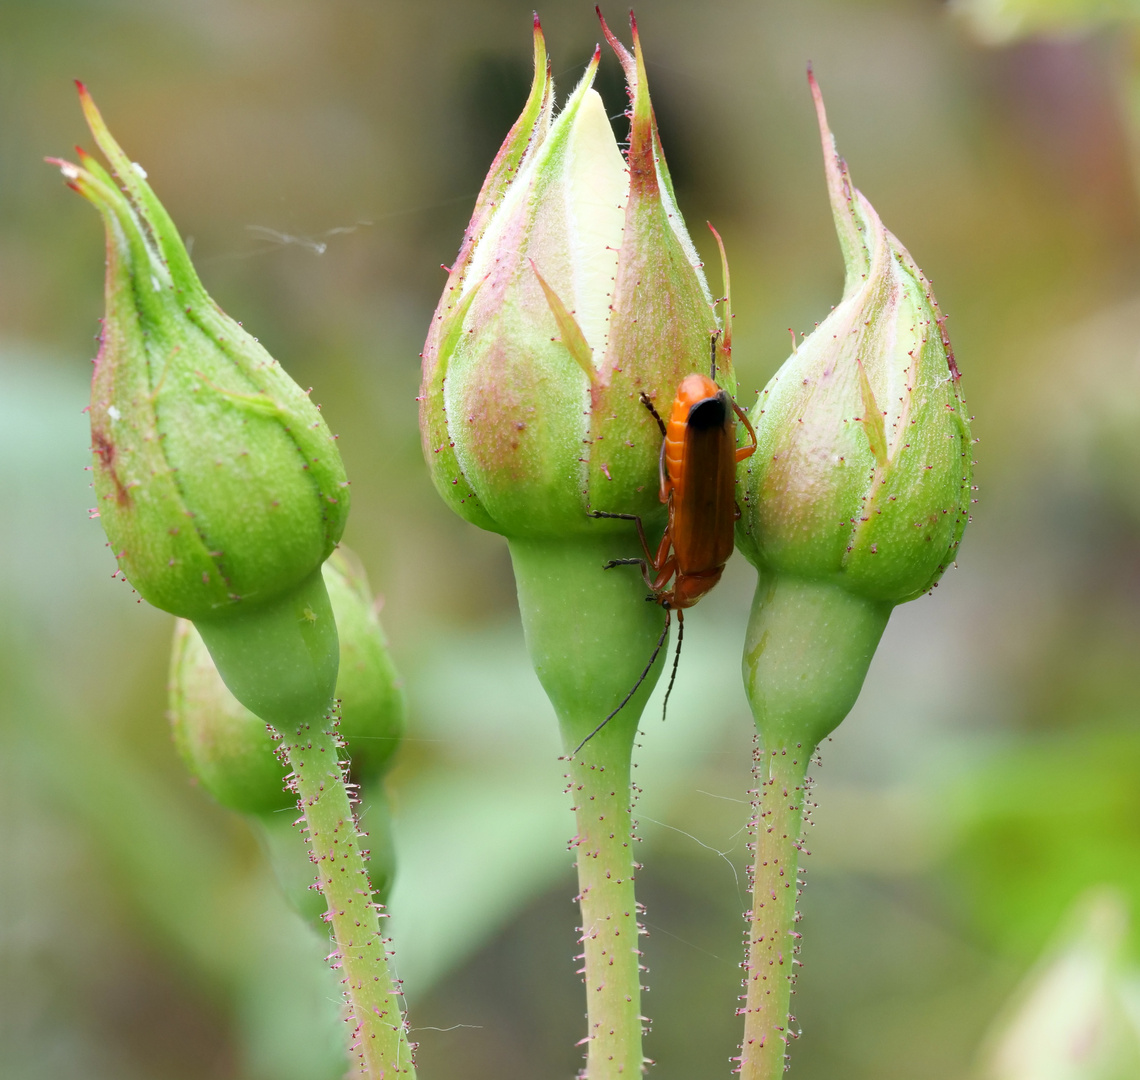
x=1002 y=21
x=324 y=157
x=1038 y=823
x=1075 y=1015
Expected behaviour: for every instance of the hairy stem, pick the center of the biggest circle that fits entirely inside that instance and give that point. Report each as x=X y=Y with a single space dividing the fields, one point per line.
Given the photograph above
x=600 y=784
x=378 y=1044
x=773 y=943
x=591 y=635
x=806 y=653
x=280 y=660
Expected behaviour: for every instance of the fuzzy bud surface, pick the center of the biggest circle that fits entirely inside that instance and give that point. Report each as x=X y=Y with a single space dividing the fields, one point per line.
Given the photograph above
x=576 y=289
x=863 y=469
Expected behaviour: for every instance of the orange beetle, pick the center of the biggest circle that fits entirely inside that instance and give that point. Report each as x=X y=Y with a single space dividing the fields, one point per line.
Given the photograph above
x=699 y=456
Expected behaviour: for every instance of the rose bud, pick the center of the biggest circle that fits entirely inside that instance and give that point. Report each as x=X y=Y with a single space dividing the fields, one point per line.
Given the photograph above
x=859 y=491
x=1073 y=1017
x=855 y=501
x=576 y=293
x=218 y=484
x=576 y=289
x=221 y=492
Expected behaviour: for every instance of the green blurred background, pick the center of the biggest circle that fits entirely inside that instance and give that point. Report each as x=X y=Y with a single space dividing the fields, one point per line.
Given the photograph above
x=323 y=157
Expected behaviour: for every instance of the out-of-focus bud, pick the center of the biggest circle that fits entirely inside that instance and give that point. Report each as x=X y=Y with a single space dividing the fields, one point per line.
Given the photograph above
x=862 y=472
x=224 y=746
x=373 y=709
x=294 y=869
x=999 y=22
x=1069 y=1021
x=231 y=751
x=218 y=483
x=576 y=289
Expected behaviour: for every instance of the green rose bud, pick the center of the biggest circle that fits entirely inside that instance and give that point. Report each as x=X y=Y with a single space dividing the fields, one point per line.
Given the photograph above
x=218 y=483
x=862 y=470
x=232 y=752
x=576 y=292
x=576 y=289
x=219 y=486
x=855 y=501
x=859 y=491
x=222 y=493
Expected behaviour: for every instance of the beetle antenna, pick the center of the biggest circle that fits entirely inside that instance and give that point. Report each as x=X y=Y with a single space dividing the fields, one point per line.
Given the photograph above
x=636 y=685
x=712 y=362
x=676 y=661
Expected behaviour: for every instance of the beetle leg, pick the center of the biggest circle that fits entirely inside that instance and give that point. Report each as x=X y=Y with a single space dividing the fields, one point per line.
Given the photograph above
x=640 y=529
x=656 y=586
x=745 y=451
x=665 y=490
x=663 y=494
x=665 y=570
x=737 y=515
x=644 y=572
x=656 y=416
x=664 y=564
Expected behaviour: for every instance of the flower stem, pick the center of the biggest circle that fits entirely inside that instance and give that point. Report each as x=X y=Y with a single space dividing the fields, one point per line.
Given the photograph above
x=379 y=1043
x=280 y=660
x=772 y=940
x=806 y=654
x=590 y=635
x=600 y=783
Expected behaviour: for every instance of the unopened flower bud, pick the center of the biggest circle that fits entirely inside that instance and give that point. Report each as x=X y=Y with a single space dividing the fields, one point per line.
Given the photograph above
x=231 y=751
x=218 y=483
x=859 y=490
x=862 y=471
x=1070 y=1020
x=576 y=297
x=225 y=747
x=576 y=290
x=371 y=693
x=1000 y=22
